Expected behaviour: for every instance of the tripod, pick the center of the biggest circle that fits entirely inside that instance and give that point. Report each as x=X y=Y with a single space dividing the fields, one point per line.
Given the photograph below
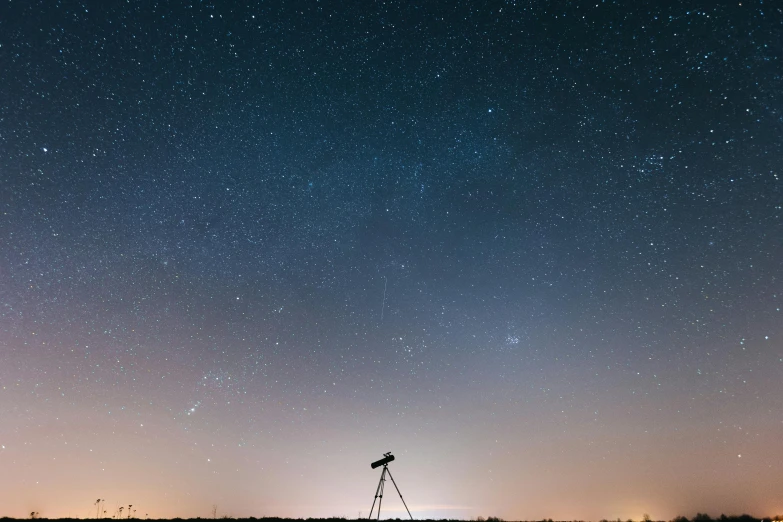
x=379 y=493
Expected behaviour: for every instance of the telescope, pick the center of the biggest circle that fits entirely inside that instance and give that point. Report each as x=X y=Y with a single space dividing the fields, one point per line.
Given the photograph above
x=387 y=457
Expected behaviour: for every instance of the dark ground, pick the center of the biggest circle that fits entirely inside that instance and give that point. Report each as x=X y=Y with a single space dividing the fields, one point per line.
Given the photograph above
x=698 y=518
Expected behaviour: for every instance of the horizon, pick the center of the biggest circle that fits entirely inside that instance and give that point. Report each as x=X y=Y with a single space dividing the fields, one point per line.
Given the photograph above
x=699 y=516
x=681 y=518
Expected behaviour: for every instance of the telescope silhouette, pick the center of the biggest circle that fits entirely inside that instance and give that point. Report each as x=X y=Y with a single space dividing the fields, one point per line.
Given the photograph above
x=387 y=457
x=385 y=460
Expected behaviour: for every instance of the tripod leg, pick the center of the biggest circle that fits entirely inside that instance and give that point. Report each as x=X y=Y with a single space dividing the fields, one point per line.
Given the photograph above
x=383 y=485
x=400 y=494
x=378 y=492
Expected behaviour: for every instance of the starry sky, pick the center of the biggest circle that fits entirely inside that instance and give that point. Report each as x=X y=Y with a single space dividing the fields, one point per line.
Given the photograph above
x=533 y=248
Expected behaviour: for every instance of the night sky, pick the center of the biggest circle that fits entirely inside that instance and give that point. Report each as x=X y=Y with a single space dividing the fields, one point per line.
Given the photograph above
x=535 y=249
